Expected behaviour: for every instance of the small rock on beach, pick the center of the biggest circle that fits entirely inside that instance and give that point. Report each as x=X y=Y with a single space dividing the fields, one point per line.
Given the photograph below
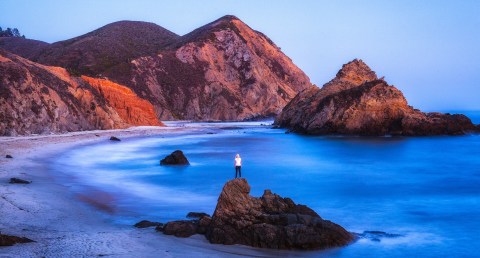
x=15 y=180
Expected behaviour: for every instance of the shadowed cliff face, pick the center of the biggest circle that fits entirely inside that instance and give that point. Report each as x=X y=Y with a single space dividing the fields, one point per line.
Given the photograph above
x=357 y=102
x=38 y=99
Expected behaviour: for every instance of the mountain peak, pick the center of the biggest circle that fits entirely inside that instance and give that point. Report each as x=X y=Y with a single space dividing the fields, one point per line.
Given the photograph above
x=228 y=17
x=356 y=72
x=223 y=23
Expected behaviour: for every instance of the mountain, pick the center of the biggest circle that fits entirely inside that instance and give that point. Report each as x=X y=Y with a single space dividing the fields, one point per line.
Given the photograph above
x=107 y=49
x=26 y=48
x=221 y=71
x=39 y=99
x=357 y=102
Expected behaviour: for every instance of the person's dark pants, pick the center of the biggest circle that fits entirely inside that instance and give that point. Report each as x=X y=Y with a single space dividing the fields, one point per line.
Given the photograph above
x=238 y=171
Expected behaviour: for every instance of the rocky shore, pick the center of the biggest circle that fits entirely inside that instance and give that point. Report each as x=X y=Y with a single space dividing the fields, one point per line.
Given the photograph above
x=357 y=102
x=267 y=222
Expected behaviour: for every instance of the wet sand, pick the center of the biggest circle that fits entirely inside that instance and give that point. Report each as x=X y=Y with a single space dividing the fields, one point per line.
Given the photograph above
x=64 y=226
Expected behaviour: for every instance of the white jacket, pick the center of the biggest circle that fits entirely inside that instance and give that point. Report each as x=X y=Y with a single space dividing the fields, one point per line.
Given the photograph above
x=238 y=162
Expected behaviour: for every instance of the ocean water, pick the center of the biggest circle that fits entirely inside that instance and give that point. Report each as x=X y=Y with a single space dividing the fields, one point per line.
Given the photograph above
x=424 y=192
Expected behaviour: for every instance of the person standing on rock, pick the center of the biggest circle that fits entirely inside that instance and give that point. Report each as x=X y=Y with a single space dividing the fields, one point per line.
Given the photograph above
x=238 y=166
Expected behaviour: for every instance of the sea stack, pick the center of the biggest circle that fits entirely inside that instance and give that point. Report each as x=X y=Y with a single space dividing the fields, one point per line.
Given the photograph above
x=268 y=222
x=175 y=158
x=356 y=102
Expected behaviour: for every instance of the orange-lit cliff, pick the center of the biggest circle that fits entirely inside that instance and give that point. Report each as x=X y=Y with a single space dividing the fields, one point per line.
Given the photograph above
x=129 y=106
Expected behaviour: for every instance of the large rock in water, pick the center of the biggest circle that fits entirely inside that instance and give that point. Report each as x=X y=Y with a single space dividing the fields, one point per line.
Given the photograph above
x=175 y=158
x=356 y=102
x=270 y=221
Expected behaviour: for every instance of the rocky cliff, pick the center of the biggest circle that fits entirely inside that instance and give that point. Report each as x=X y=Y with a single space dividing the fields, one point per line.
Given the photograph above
x=131 y=109
x=221 y=71
x=38 y=99
x=357 y=102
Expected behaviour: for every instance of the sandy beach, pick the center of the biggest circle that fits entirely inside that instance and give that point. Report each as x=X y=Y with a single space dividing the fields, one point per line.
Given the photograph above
x=63 y=226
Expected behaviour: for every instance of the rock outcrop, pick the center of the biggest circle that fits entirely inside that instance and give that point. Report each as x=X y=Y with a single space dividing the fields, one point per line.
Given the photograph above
x=38 y=99
x=356 y=102
x=269 y=222
x=197 y=215
x=147 y=224
x=175 y=158
x=187 y=228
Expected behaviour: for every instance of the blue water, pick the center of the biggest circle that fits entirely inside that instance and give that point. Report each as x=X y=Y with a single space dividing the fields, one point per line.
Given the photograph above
x=425 y=189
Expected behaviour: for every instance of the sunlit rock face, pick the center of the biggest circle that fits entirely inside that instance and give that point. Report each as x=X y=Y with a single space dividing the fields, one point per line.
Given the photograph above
x=39 y=99
x=132 y=109
x=357 y=102
x=221 y=71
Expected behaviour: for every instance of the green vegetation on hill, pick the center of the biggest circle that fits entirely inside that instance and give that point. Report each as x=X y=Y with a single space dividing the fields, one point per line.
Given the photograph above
x=9 y=32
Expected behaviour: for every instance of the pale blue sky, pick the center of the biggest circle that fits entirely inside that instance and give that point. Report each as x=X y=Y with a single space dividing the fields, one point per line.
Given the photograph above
x=428 y=49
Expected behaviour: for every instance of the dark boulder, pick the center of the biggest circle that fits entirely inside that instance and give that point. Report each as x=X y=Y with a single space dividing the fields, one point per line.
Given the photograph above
x=147 y=224
x=8 y=156
x=203 y=224
x=197 y=215
x=15 y=180
x=181 y=228
x=113 y=138
x=6 y=240
x=270 y=222
x=176 y=158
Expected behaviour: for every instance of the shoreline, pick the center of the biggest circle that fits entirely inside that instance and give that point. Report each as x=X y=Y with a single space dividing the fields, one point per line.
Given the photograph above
x=46 y=212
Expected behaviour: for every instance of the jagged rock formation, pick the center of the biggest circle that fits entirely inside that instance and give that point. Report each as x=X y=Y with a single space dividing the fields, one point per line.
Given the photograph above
x=221 y=71
x=269 y=222
x=357 y=102
x=38 y=99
